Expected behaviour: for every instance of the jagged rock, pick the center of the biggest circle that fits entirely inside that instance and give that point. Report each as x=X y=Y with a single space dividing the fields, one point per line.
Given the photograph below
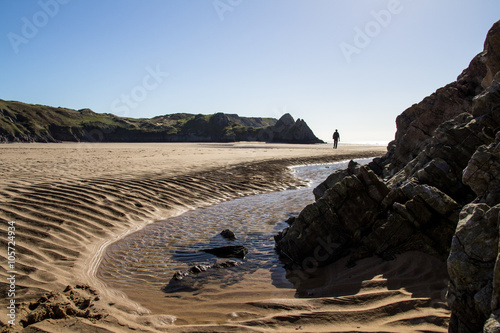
x=287 y=130
x=284 y=122
x=203 y=268
x=443 y=159
x=470 y=265
x=334 y=178
x=474 y=260
x=333 y=222
x=231 y=251
x=483 y=172
x=492 y=48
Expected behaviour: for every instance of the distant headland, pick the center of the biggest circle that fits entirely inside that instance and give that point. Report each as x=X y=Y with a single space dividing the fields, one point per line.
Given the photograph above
x=21 y=122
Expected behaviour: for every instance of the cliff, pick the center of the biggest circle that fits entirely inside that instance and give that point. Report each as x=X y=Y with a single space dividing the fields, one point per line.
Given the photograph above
x=21 y=122
x=437 y=190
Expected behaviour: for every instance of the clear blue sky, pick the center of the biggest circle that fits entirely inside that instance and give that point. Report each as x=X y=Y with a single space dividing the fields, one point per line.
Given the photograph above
x=342 y=64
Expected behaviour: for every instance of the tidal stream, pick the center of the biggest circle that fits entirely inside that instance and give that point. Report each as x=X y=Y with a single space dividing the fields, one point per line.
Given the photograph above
x=142 y=264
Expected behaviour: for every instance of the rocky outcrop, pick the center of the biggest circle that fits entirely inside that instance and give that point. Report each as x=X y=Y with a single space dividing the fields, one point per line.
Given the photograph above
x=20 y=122
x=414 y=216
x=287 y=130
x=437 y=190
x=492 y=48
x=474 y=261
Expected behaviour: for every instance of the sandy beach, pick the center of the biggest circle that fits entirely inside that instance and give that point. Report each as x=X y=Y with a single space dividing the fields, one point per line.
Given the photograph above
x=70 y=201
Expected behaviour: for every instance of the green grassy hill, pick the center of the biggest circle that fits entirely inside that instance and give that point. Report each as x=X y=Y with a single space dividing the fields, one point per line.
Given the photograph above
x=21 y=122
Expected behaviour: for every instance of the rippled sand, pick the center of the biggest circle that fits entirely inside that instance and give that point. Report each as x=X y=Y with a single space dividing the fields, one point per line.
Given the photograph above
x=71 y=201
x=142 y=264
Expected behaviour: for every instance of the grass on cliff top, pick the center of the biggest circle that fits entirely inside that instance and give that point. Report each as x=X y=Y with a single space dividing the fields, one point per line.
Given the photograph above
x=22 y=118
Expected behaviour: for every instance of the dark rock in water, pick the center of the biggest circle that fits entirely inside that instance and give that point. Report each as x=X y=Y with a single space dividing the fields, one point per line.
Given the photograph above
x=226 y=264
x=231 y=251
x=203 y=268
x=229 y=234
x=192 y=279
x=193 y=270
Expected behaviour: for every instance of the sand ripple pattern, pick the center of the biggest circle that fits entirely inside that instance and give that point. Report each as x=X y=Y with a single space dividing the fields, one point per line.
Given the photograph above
x=58 y=221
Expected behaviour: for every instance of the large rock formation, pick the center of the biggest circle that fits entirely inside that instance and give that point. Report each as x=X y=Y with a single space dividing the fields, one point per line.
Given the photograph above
x=287 y=130
x=437 y=190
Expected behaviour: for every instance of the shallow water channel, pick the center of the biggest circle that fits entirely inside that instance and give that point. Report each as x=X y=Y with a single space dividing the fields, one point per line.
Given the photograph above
x=142 y=264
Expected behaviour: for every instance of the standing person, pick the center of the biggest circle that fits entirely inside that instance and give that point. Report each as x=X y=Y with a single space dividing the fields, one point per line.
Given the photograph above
x=336 y=139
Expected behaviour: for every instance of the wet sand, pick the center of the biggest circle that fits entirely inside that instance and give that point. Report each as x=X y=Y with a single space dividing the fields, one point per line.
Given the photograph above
x=70 y=201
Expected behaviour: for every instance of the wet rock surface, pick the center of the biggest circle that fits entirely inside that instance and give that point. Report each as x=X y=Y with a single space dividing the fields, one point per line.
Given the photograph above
x=230 y=251
x=228 y=234
x=192 y=279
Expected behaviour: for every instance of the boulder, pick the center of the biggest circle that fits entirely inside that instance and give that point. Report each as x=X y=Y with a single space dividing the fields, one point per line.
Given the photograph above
x=228 y=234
x=179 y=275
x=231 y=251
x=192 y=279
x=471 y=266
x=334 y=178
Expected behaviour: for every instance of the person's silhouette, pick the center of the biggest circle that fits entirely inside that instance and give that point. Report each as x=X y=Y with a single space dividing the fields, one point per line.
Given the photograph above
x=336 y=139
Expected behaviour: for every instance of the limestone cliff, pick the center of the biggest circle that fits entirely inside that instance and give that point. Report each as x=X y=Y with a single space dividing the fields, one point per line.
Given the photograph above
x=437 y=190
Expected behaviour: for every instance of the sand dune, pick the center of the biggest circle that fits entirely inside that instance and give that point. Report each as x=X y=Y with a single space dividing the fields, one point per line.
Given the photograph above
x=70 y=201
